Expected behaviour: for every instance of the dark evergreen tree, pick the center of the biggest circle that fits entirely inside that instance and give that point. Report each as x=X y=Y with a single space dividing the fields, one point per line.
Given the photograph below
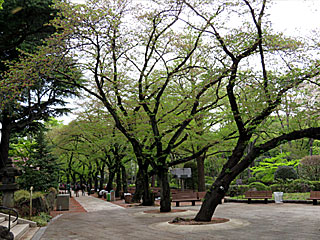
x=24 y=26
x=41 y=169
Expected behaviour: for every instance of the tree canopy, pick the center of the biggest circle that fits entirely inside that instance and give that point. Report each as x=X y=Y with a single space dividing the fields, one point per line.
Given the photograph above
x=182 y=68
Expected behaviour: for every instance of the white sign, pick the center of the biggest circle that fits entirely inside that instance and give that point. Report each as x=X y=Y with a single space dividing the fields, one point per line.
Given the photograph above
x=181 y=172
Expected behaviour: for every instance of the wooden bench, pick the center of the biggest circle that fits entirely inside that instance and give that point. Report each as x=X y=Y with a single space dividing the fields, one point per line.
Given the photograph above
x=314 y=195
x=185 y=197
x=258 y=195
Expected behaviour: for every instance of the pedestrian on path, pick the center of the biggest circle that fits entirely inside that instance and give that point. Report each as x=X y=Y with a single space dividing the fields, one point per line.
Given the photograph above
x=83 y=189
x=77 y=189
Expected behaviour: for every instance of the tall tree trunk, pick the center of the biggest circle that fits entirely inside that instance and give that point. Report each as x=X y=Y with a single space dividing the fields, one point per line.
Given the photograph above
x=201 y=178
x=118 y=180
x=5 y=139
x=142 y=187
x=212 y=199
x=153 y=180
x=124 y=179
x=165 y=202
x=96 y=182
x=89 y=186
x=110 y=180
x=101 y=179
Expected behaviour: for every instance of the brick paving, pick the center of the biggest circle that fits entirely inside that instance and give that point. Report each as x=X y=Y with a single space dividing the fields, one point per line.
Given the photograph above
x=74 y=206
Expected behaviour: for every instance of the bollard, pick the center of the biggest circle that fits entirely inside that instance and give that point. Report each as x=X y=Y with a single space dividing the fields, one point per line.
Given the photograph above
x=31 y=189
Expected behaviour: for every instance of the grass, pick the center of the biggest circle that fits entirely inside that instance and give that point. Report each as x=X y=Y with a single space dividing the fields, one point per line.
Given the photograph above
x=41 y=220
x=286 y=196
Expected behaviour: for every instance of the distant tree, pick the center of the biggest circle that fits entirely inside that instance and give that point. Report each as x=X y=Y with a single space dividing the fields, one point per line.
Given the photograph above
x=285 y=173
x=309 y=168
x=39 y=167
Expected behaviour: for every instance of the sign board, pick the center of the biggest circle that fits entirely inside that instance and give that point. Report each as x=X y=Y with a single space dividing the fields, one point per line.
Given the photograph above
x=181 y=172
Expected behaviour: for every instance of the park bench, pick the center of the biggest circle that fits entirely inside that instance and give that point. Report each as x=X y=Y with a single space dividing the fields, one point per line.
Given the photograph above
x=314 y=195
x=258 y=195
x=185 y=197
x=201 y=196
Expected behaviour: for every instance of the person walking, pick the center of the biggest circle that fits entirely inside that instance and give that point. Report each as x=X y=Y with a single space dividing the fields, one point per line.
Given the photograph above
x=83 y=189
x=77 y=189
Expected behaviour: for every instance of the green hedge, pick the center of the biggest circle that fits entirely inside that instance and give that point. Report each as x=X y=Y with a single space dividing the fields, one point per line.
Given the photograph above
x=258 y=186
x=235 y=190
x=295 y=186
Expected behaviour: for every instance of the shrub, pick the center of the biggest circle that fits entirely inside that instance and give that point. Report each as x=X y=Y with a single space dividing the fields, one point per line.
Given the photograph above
x=41 y=220
x=236 y=190
x=285 y=173
x=258 y=186
x=252 y=179
x=316 y=185
x=209 y=180
x=309 y=167
x=276 y=187
x=299 y=185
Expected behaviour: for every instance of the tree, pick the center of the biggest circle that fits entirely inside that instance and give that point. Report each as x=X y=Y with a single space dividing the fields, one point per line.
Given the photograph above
x=156 y=79
x=309 y=168
x=253 y=94
x=146 y=76
x=29 y=91
x=95 y=146
x=39 y=168
x=265 y=169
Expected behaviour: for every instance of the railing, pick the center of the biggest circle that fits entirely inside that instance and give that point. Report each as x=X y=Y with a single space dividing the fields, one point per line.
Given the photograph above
x=10 y=211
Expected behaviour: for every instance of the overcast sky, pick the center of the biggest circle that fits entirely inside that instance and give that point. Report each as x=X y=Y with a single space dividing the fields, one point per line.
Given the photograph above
x=292 y=16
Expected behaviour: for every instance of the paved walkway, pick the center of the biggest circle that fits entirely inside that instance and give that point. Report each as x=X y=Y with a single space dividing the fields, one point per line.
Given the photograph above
x=104 y=220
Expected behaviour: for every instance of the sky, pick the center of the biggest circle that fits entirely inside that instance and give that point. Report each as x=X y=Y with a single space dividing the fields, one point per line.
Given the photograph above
x=292 y=17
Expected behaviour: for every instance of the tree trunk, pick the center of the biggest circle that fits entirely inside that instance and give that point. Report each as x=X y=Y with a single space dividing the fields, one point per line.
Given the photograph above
x=142 y=187
x=110 y=181
x=165 y=202
x=101 y=179
x=96 y=182
x=201 y=178
x=118 y=180
x=124 y=179
x=153 y=180
x=212 y=199
x=5 y=139
x=89 y=186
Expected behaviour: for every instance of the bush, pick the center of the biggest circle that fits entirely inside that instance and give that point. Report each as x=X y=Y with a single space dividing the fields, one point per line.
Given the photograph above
x=316 y=185
x=24 y=195
x=252 y=179
x=299 y=185
x=41 y=220
x=236 y=190
x=309 y=167
x=285 y=173
x=209 y=180
x=22 y=202
x=276 y=187
x=258 y=186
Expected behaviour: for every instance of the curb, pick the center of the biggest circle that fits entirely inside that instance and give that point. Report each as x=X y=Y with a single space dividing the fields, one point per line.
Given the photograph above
x=269 y=201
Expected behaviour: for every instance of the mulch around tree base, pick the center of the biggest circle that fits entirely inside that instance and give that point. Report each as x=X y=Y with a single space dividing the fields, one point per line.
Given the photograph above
x=185 y=221
x=158 y=211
